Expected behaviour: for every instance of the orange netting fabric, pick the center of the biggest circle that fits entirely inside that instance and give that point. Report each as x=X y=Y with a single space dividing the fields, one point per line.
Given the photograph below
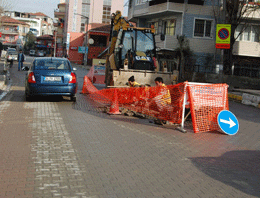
x=164 y=103
x=206 y=102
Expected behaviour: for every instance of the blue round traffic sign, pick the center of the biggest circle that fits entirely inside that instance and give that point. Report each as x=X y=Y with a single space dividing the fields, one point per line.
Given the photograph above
x=223 y=33
x=228 y=122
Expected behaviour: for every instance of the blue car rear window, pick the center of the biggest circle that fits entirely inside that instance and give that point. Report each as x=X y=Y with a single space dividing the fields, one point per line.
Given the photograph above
x=51 y=65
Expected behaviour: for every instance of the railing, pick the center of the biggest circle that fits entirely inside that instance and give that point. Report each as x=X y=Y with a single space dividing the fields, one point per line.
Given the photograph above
x=9 y=31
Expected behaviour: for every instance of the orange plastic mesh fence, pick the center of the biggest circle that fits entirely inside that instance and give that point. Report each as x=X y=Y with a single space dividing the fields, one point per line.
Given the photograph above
x=160 y=102
x=206 y=101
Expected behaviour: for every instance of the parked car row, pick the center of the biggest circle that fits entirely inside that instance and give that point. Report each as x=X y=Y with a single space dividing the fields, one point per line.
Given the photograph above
x=11 y=55
x=39 y=53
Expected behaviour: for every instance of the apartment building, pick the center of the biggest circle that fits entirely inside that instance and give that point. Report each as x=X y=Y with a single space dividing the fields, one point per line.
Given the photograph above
x=197 y=21
x=13 y=31
x=80 y=16
x=40 y=24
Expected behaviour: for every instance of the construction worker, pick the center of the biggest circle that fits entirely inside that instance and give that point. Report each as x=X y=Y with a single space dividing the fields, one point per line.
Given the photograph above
x=132 y=82
x=164 y=97
x=162 y=101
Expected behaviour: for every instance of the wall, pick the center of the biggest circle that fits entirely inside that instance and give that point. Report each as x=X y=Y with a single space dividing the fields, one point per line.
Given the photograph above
x=76 y=40
x=232 y=81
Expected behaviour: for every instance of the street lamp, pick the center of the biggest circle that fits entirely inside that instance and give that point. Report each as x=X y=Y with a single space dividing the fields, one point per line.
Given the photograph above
x=86 y=38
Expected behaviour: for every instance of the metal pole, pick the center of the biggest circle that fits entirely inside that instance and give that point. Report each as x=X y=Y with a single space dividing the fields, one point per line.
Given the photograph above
x=86 y=39
x=86 y=44
x=55 y=40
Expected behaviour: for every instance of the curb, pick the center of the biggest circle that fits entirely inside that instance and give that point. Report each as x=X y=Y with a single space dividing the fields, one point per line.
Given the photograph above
x=235 y=97
x=239 y=99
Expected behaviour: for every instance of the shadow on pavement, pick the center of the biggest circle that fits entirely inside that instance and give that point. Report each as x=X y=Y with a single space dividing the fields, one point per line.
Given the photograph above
x=239 y=169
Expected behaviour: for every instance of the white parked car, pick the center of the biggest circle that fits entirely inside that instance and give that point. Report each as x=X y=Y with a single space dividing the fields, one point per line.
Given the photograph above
x=32 y=53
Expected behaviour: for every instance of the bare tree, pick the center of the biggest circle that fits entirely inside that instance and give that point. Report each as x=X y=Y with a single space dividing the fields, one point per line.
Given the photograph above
x=237 y=13
x=5 y=5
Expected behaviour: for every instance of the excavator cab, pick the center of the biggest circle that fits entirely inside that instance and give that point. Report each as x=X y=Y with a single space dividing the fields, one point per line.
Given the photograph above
x=137 y=47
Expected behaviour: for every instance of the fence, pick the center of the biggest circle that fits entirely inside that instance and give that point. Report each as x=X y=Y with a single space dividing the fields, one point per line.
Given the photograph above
x=168 y=103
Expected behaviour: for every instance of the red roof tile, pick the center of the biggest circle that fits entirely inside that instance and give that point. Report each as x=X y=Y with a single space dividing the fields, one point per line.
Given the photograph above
x=38 y=14
x=6 y=19
x=100 y=27
x=46 y=37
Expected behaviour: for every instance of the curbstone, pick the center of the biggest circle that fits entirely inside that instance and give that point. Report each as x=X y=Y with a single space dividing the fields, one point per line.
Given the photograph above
x=235 y=97
x=243 y=99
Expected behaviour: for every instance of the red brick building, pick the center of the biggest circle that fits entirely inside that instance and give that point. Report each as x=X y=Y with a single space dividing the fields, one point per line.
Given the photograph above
x=100 y=35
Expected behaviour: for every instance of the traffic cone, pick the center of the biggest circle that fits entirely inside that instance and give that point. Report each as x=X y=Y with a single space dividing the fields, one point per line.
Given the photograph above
x=114 y=108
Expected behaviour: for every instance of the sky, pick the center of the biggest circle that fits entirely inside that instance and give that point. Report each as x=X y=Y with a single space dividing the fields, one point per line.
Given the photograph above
x=45 y=6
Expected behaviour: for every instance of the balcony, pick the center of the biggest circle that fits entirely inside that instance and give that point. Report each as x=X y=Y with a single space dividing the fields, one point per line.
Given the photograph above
x=9 y=32
x=246 y=48
x=59 y=13
x=157 y=10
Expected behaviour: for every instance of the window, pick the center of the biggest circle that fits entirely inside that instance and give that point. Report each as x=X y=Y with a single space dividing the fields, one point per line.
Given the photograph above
x=247 y=34
x=251 y=33
x=139 y=2
x=106 y=18
x=107 y=2
x=155 y=24
x=203 y=28
x=255 y=33
x=82 y=27
x=169 y=27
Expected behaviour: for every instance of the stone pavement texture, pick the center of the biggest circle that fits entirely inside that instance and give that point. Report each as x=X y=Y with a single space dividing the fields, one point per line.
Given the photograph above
x=56 y=148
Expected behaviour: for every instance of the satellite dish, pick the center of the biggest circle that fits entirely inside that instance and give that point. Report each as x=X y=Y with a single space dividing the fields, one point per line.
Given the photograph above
x=90 y=41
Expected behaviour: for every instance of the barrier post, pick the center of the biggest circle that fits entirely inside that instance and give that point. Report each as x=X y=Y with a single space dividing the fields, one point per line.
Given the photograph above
x=183 y=110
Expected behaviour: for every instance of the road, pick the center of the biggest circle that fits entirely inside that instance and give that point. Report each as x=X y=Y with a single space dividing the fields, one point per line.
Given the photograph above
x=52 y=147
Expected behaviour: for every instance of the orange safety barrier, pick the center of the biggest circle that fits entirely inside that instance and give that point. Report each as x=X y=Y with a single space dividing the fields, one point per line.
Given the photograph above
x=167 y=102
x=88 y=87
x=206 y=102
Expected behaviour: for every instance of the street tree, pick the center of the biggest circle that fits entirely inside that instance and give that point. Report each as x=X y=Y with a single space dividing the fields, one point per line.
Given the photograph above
x=184 y=54
x=236 y=13
x=4 y=6
x=30 y=41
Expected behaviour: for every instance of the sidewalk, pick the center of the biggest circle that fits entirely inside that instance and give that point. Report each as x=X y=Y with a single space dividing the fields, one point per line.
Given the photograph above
x=81 y=66
x=2 y=77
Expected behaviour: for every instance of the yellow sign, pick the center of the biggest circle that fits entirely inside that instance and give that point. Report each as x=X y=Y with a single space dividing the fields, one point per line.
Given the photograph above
x=223 y=32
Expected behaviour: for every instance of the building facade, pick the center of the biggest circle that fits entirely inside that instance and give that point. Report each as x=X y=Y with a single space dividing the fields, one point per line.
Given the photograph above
x=196 y=20
x=13 y=31
x=80 y=16
x=40 y=24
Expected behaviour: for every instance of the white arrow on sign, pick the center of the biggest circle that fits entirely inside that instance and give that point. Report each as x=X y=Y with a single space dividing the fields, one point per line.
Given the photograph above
x=230 y=122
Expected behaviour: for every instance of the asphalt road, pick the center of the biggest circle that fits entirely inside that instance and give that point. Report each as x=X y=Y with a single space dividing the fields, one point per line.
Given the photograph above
x=52 y=147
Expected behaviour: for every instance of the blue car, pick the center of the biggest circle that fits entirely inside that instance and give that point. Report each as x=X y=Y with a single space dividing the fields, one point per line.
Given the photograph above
x=49 y=76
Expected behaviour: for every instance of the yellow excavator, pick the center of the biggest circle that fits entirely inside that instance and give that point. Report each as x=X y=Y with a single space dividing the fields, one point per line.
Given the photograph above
x=132 y=52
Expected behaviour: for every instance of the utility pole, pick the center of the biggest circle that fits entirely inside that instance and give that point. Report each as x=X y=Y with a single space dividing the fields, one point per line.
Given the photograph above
x=55 y=41
x=86 y=39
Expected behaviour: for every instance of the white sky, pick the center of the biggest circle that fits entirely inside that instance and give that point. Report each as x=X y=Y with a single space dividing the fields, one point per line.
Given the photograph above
x=45 y=6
